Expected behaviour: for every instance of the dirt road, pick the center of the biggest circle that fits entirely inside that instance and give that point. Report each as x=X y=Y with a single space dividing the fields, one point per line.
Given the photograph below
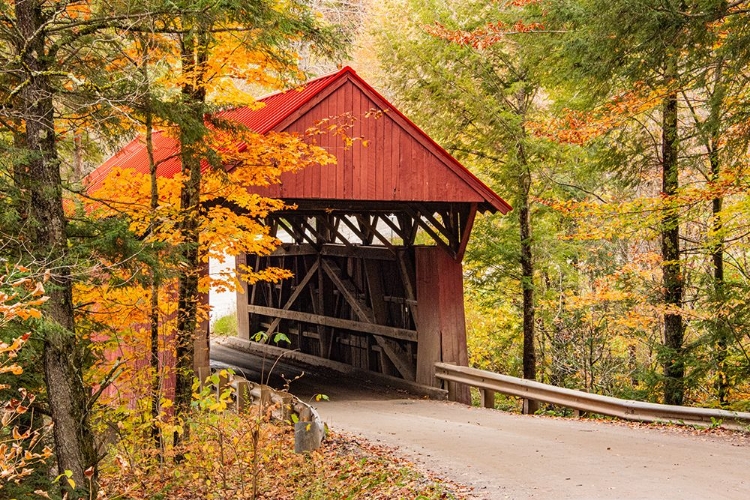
x=507 y=456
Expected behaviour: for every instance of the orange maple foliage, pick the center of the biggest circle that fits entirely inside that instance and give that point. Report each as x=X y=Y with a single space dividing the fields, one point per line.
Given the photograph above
x=579 y=127
x=483 y=37
x=20 y=448
x=229 y=225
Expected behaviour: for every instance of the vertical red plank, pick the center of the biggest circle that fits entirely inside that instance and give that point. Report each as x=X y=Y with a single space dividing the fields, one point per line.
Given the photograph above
x=425 y=180
x=378 y=151
x=364 y=126
x=397 y=164
x=444 y=192
x=436 y=181
x=356 y=147
x=416 y=185
x=293 y=184
x=404 y=160
x=349 y=169
x=388 y=161
x=328 y=172
x=316 y=171
x=341 y=165
x=371 y=151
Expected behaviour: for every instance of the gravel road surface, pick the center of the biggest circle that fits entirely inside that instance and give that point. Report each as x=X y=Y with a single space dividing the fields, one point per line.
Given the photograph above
x=508 y=456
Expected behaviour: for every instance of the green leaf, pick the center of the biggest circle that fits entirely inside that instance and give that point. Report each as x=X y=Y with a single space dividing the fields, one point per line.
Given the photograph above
x=280 y=337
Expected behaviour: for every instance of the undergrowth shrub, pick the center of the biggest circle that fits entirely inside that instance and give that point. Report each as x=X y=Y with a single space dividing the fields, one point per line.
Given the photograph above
x=229 y=455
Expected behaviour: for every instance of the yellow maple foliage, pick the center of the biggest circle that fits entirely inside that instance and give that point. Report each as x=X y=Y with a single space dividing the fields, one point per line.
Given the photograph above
x=230 y=224
x=20 y=297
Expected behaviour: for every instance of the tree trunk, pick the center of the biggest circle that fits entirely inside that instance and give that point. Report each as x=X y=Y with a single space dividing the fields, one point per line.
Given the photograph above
x=194 y=57
x=673 y=362
x=63 y=355
x=717 y=257
x=721 y=331
x=527 y=277
x=155 y=282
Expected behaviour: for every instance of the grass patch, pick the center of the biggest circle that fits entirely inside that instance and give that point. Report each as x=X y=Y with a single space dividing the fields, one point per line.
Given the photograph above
x=226 y=326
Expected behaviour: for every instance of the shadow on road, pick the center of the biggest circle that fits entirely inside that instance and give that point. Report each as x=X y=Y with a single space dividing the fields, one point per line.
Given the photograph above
x=305 y=383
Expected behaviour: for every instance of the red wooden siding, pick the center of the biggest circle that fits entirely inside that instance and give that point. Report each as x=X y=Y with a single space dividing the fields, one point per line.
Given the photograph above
x=400 y=163
x=397 y=164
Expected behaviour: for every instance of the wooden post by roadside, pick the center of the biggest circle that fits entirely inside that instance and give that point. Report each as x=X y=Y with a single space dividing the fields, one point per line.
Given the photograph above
x=488 y=398
x=243 y=397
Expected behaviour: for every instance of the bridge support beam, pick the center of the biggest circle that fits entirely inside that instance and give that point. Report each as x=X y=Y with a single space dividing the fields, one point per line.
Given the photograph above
x=442 y=323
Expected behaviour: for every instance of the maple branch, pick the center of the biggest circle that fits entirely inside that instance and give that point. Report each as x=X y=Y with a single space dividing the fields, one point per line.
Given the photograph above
x=106 y=382
x=8 y=125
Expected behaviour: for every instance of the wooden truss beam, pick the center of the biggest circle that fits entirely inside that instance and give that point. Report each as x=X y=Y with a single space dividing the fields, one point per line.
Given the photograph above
x=449 y=226
x=335 y=250
x=395 y=353
x=297 y=291
x=347 y=324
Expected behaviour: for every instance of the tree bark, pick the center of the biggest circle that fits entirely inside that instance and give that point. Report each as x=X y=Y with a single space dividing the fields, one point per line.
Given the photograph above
x=720 y=326
x=63 y=355
x=673 y=362
x=527 y=276
x=717 y=259
x=527 y=284
x=155 y=282
x=194 y=53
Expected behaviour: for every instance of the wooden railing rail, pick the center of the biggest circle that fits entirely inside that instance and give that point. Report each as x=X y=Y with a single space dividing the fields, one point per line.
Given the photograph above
x=488 y=383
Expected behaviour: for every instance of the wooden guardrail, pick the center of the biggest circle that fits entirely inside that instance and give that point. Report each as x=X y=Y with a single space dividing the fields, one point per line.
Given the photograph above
x=488 y=383
x=309 y=429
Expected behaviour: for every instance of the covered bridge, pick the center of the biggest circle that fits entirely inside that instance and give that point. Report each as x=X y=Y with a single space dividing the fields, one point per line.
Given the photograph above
x=375 y=242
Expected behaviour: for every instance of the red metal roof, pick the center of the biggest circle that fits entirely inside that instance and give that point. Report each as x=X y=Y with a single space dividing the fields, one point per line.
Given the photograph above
x=277 y=106
x=166 y=150
x=402 y=163
x=135 y=156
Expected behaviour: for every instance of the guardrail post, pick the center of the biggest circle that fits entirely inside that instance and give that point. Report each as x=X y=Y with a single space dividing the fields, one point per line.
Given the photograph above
x=529 y=406
x=487 y=397
x=287 y=400
x=265 y=396
x=452 y=391
x=451 y=386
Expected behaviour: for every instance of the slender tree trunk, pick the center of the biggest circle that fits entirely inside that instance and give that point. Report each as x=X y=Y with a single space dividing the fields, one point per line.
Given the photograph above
x=717 y=258
x=155 y=282
x=527 y=276
x=194 y=57
x=63 y=355
x=673 y=362
x=721 y=333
